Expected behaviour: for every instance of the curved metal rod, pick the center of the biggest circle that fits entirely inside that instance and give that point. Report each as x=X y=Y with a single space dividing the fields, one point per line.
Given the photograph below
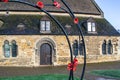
x=80 y=33
x=79 y=24
x=60 y=8
x=59 y=24
x=71 y=72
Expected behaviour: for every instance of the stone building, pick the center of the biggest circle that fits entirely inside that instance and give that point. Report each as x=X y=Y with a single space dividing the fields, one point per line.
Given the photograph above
x=29 y=37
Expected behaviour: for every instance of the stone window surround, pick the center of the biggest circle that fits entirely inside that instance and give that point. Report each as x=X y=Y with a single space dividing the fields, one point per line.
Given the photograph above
x=10 y=43
x=106 y=48
x=79 y=45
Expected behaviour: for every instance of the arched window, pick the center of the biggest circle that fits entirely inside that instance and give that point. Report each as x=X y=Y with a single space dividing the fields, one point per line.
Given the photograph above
x=6 y=48
x=14 y=48
x=104 y=47
x=75 y=48
x=110 y=47
x=81 y=48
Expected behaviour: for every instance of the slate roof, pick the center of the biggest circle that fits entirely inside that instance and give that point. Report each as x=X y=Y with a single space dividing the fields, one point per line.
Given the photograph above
x=78 y=6
x=32 y=26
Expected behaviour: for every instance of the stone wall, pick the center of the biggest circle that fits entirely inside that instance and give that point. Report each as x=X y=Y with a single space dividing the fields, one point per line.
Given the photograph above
x=28 y=54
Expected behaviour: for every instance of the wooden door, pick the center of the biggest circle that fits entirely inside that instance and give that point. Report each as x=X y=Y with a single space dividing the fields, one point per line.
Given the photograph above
x=45 y=54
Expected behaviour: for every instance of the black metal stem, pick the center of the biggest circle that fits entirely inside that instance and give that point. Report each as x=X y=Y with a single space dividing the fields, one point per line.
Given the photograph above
x=84 y=66
x=68 y=8
x=60 y=26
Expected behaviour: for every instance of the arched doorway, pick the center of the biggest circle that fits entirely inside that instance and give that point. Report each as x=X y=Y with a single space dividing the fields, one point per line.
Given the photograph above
x=45 y=54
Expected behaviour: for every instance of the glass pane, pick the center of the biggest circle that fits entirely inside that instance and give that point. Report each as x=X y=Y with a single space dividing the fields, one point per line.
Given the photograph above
x=14 y=48
x=47 y=25
x=42 y=24
x=104 y=47
x=110 y=47
x=81 y=48
x=7 y=50
x=93 y=27
x=75 y=48
x=89 y=26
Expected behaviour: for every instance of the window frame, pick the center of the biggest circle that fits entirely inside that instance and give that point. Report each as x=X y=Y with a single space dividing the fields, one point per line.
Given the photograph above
x=81 y=48
x=104 y=48
x=10 y=49
x=91 y=27
x=75 y=48
x=6 y=43
x=109 y=48
x=46 y=28
x=16 y=47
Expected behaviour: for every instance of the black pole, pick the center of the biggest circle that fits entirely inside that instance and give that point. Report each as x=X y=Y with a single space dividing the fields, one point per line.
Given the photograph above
x=84 y=66
x=60 y=26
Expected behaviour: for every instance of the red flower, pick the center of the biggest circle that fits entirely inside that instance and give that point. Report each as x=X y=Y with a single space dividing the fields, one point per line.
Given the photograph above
x=40 y=4
x=75 y=62
x=4 y=0
x=76 y=20
x=56 y=4
x=72 y=66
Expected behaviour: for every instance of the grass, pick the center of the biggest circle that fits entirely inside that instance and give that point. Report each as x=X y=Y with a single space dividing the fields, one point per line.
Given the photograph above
x=107 y=73
x=39 y=77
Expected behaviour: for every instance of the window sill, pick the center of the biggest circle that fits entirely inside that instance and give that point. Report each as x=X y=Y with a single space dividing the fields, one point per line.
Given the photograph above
x=90 y=32
x=45 y=31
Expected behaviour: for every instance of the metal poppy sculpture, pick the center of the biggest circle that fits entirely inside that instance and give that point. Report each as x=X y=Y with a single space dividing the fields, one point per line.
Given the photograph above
x=40 y=5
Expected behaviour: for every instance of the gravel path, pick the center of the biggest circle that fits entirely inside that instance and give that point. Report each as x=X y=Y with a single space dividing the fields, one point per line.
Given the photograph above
x=23 y=71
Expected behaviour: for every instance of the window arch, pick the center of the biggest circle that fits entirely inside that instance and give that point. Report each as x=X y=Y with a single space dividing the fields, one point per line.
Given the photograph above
x=75 y=48
x=14 y=48
x=110 y=47
x=6 y=48
x=104 y=47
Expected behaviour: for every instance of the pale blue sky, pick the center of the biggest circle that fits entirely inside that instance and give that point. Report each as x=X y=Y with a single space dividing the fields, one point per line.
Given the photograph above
x=111 y=9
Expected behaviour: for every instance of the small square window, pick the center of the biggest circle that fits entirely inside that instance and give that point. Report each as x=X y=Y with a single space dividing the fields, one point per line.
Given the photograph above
x=45 y=26
x=91 y=25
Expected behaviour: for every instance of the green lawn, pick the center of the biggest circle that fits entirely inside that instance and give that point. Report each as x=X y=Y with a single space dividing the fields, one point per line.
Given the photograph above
x=107 y=73
x=40 y=77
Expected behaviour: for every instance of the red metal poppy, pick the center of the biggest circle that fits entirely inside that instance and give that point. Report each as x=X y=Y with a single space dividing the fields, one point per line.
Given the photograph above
x=76 y=20
x=72 y=66
x=40 y=4
x=75 y=62
x=4 y=0
x=56 y=4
